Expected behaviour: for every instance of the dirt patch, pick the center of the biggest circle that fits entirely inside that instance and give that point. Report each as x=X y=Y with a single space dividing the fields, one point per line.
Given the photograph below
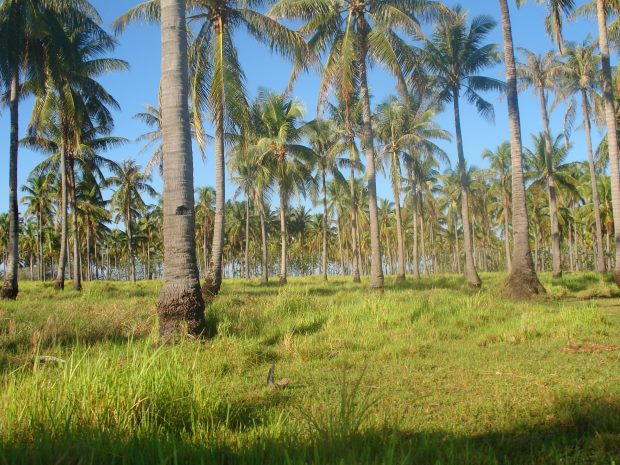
x=588 y=348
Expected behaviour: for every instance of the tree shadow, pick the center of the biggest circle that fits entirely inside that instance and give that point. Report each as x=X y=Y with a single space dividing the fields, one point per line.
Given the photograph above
x=578 y=431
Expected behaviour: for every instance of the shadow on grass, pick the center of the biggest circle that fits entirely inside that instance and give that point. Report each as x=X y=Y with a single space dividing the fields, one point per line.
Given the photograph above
x=588 y=431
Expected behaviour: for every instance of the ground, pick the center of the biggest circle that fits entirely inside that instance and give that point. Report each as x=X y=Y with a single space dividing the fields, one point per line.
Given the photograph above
x=428 y=372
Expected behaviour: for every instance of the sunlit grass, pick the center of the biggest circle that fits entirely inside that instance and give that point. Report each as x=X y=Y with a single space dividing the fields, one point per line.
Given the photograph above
x=428 y=372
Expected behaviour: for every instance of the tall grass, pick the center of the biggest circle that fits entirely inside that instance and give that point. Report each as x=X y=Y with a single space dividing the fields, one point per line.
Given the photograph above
x=428 y=372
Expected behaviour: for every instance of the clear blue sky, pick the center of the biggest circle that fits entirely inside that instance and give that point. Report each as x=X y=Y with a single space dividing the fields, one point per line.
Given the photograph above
x=140 y=46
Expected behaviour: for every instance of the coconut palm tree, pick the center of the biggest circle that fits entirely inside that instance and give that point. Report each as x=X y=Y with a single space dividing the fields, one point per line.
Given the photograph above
x=540 y=72
x=580 y=74
x=328 y=145
x=455 y=55
x=279 y=147
x=218 y=81
x=499 y=160
x=180 y=306
x=127 y=202
x=522 y=281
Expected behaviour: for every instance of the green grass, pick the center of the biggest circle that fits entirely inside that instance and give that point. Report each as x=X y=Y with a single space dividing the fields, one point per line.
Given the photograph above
x=429 y=372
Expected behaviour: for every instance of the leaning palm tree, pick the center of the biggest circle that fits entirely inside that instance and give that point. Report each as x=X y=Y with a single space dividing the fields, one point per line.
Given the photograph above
x=352 y=34
x=580 y=74
x=522 y=281
x=130 y=183
x=454 y=56
x=180 y=306
x=279 y=147
x=218 y=81
x=540 y=72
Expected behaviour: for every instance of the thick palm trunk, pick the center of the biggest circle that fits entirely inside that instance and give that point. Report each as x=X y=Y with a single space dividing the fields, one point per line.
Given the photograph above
x=355 y=269
x=522 y=281
x=76 y=271
x=376 y=268
x=9 y=288
x=247 y=236
x=506 y=229
x=263 y=238
x=556 y=253
x=180 y=306
x=62 y=257
x=400 y=270
x=324 y=248
x=283 y=237
x=471 y=275
x=600 y=255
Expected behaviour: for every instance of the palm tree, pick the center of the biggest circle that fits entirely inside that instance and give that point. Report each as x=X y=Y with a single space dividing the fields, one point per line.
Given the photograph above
x=130 y=183
x=455 y=55
x=352 y=34
x=180 y=306
x=500 y=170
x=522 y=281
x=540 y=72
x=328 y=145
x=205 y=209
x=279 y=147
x=218 y=82
x=581 y=75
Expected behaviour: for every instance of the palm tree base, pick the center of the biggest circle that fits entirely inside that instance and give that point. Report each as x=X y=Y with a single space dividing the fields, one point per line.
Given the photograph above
x=8 y=291
x=59 y=285
x=210 y=289
x=400 y=278
x=180 y=311
x=523 y=285
x=557 y=275
x=357 y=279
x=282 y=280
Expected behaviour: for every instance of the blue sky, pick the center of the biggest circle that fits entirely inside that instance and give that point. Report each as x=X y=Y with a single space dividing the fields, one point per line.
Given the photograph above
x=140 y=46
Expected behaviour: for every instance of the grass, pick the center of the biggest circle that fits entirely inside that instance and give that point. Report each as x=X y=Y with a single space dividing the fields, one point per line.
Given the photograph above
x=430 y=372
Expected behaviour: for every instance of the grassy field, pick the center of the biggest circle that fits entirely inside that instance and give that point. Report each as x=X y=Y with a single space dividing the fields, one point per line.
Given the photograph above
x=430 y=372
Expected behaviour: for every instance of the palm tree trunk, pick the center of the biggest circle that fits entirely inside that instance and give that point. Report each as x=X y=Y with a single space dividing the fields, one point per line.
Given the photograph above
x=88 y=259
x=132 y=261
x=456 y=244
x=522 y=281
x=506 y=230
x=324 y=251
x=283 y=236
x=376 y=268
x=76 y=272
x=180 y=306
x=600 y=255
x=62 y=258
x=416 y=257
x=400 y=270
x=9 y=288
x=355 y=251
x=471 y=275
x=263 y=237
x=552 y=193
x=247 y=235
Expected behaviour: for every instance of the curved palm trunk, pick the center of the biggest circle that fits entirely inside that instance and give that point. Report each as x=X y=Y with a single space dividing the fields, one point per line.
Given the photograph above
x=213 y=280
x=376 y=267
x=600 y=255
x=556 y=253
x=522 y=281
x=263 y=238
x=471 y=275
x=283 y=237
x=9 y=288
x=355 y=252
x=180 y=306
x=76 y=272
x=324 y=251
x=400 y=270
x=506 y=226
x=62 y=257
x=247 y=236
